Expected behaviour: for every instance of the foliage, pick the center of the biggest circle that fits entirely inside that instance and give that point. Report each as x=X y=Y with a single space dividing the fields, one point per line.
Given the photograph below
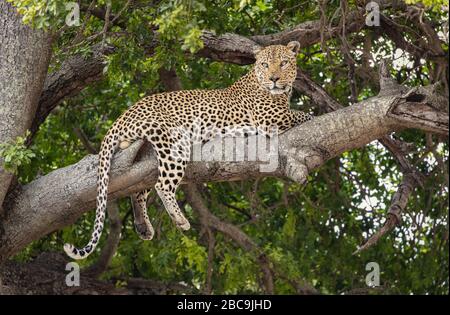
x=436 y=4
x=308 y=232
x=16 y=154
x=40 y=13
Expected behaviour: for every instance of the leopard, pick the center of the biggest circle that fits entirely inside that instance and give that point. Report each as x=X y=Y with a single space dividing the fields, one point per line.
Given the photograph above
x=260 y=98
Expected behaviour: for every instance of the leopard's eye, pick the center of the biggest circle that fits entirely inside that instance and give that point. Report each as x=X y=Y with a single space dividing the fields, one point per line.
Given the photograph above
x=265 y=64
x=284 y=62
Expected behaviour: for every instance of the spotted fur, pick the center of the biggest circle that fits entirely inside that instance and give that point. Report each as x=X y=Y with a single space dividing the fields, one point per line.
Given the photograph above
x=260 y=98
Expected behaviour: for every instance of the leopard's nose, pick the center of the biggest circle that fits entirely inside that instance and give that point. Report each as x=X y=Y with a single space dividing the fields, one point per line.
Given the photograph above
x=274 y=78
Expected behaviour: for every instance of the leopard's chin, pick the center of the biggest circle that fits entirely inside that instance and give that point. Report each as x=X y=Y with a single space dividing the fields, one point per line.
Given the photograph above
x=277 y=90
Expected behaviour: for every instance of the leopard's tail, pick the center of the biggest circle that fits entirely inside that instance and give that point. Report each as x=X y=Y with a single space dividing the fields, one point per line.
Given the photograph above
x=107 y=149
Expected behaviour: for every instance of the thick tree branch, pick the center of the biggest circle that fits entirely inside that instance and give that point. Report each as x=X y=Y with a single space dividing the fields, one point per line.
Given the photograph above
x=416 y=108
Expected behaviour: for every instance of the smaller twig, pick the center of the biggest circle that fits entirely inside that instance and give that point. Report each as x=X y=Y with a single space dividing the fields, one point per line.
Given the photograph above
x=106 y=25
x=121 y=11
x=77 y=42
x=85 y=141
x=404 y=164
x=300 y=286
x=390 y=223
x=78 y=37
x=237 y=209
x=279 y=18
x=399 y=202
x=323 y=27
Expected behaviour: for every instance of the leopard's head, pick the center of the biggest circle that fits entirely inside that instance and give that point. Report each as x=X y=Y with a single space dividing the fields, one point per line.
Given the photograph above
x=276 y=67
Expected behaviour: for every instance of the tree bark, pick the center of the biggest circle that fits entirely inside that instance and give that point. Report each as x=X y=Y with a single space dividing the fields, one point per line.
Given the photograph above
x=24 y=59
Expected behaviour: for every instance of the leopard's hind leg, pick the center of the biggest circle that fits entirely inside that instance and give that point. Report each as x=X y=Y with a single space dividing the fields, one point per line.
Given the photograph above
x=141 y=221
x=172 y=152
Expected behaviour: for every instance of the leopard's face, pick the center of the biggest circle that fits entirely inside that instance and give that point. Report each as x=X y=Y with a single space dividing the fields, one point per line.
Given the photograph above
x=276 y=67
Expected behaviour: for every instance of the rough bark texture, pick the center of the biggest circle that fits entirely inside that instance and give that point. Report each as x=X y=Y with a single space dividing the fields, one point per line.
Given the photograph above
x=24 y=58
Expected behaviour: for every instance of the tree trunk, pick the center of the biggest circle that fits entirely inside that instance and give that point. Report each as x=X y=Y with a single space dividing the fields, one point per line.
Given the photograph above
x=24 y=59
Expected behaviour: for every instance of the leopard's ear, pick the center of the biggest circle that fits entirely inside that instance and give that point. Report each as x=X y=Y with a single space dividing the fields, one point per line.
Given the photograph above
x=294 y=46
x=256 y=49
